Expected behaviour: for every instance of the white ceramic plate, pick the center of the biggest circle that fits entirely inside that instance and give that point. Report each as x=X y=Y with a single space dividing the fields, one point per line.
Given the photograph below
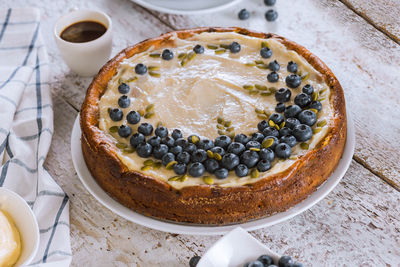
x=186 y=6
x=180 y=228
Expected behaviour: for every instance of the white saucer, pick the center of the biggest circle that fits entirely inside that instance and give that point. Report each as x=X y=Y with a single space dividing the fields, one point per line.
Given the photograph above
x=92 y=186
x=185 y=7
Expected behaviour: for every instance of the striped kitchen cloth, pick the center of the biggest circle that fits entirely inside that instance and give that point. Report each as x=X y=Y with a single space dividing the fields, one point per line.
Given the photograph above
x=26 y=128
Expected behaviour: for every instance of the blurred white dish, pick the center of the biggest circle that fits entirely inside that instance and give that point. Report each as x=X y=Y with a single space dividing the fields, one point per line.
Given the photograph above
x=25 y=222
x=185 y=7
x=235 y=249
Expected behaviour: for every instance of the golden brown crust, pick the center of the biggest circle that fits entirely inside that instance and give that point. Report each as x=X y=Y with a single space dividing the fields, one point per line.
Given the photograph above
x=207 y=204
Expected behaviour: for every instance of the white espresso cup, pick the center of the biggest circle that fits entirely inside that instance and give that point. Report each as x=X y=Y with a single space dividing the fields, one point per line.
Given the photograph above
x=85 y=58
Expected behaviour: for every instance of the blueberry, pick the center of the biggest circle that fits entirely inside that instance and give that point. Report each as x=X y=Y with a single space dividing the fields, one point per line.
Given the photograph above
x=292 y=111
x=276 y=118
x=234 y=47
x=271 y=15
x=222 y=141
x=181 y=142
x=176 y=150
x=292 y=67
x=262 y=125
x=133 y=117
x=274 y=66
x=263 y=165
x=270 y=131
x=205 y=144
x=176 y=134
x=255 y=264
x=116 y=114
x=145 y=128
x=308 y=89
x=285 y=131
x=194 y=261
x=167 y=54
x=257 y=137
x=140 y=69
x=124 y=101
x=253 y=144
x=241 y=138
x=273 y=77
x=285 y=261
x=180 y=168
x=190 y=148
x=211 y=165
x=193 y=138
x=307 y=117
x=161 y=131
x=236 y=148
x=183 y=157
x=296 y=264
x=265 y=52
x=283 y=95
x=167 y=158
x=169 y=141
x=244 y=14
x=230 y=161
x=154 y=141
x=267 y=154
x=293 y=80
x=199 y=155
x=283 y=151
x=288 y=139
x=196 y=169
x=266 y=260
x=144 y=150
x=274 y=143
x=137 y=139
x=316 y=105
x=269 y=3
x=123 y=88
x=160 y=151
x=124 y=131
x=241 y=170
x=198 y=49
x=218 y=150
x=302 y=132
x=291 y=123
x=280 y=107
x=302 y=100
x=221 y=173
x=249 y=158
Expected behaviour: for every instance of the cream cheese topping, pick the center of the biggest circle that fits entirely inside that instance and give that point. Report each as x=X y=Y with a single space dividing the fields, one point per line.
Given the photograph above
x=190 y=98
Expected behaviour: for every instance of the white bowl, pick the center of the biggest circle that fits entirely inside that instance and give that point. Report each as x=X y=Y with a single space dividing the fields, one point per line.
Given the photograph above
x=25 y=221
x=235 y=249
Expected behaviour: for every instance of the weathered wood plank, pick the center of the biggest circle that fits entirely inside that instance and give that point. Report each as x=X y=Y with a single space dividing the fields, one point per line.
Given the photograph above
x=382 y=14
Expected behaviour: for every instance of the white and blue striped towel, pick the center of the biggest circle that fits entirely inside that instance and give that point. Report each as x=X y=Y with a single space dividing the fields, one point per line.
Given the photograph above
x=26 y=128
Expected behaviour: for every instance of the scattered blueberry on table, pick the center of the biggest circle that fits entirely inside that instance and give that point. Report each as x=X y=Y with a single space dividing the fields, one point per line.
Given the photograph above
x=244 y=14
x=271 y=15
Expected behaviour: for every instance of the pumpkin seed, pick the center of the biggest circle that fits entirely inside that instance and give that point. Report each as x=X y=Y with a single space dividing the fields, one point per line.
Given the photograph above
x=230 y=129
x=113 y=129
x=259 y=61
x=120 y=80
x=141 y=112
x=191 y=55
x=121 y=145
x=129 y=150
x=253 y=92
x=321 y=123
x=304 y=77
x=321 y=99
x=262 y=67
x=231 y=135
x=282 y=124
x=277 y=127
x=159 y=124
x=267 y=113
x=183 y=178
x=254 y=173
x=170 y=165
x=149 y=107
x=195 y=139
x=154 y=74
x=293 y=157
x=210 y=154
x=227 y=123
x=264 y=44
x=271 y=123
x=145 y=168
x=182 y=55
x=314 y=96
x=314 y=110
x=211 y=46
x=254 y=149
x=157 y=165
x=259 y=111
x=208 y=180
x=155 y=55
x=322 y=91
x=265 y=93
x=148 y=115
x=132 y=79
x=226 y=46
x=220 y=119
x=317 y=130
x=272 y=90
x=250 y=64
x=174 y=178
x=266 y=143
x=217 y=156
x=148 y=162
x=248 y=86
x=261 y=87
x=262 y=117
x=221 y=127
x=220 y=132
x=153 y=68
x=304 y=146
x=220 y=51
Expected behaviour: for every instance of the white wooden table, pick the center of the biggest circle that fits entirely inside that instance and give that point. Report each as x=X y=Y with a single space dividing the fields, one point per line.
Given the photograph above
x=358 y=223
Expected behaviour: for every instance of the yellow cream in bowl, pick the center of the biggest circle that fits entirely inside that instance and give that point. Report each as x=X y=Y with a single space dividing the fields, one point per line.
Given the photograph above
x=10 y=241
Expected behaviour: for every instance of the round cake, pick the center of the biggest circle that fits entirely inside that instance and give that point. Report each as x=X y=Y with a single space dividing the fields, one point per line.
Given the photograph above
x=213 y=125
